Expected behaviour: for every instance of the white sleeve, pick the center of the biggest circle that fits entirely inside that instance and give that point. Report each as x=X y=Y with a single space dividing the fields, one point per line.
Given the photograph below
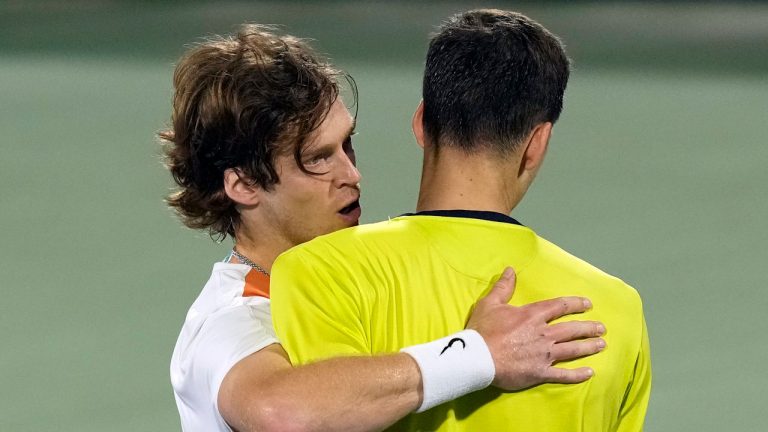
x=222 y=340
x=230 y=337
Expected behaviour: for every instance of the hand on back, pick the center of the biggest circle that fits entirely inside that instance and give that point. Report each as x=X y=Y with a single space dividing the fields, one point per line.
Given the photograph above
x=525 y=346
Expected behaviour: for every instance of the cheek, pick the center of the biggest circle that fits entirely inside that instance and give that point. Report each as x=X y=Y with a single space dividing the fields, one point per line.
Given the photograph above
x=302 y=199
x=301 y=195
x=308 y=190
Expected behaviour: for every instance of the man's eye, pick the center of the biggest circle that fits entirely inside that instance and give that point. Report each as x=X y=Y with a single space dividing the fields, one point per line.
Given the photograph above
x=347 y=146
x=316 y=160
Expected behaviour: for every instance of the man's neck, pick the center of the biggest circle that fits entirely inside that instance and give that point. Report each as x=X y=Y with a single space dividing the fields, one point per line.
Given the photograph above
x=455 y=180
x=263 y=252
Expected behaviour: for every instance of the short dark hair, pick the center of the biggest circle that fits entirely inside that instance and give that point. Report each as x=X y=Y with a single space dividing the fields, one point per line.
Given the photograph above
x=238 y=103
x=490 y=77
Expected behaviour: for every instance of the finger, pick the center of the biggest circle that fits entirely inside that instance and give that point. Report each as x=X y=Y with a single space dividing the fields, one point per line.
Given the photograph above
x=502 y=290
x=568 y=376
x=573 y=330
x=576 y=349
x=558 y=307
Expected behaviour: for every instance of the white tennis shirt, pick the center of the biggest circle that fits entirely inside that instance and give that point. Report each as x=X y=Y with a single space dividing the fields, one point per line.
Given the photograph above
x=230 y=320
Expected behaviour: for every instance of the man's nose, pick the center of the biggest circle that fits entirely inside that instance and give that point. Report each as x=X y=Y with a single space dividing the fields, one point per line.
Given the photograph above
x=348 y=173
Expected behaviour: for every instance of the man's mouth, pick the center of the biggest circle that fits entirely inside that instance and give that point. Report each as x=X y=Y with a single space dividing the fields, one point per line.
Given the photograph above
x=350 y=208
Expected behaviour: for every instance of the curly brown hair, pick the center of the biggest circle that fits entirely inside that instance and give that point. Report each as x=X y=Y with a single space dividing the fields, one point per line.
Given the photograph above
x=239 y=102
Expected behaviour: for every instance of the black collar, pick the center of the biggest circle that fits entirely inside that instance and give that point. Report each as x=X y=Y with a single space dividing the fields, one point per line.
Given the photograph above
x=472 y=214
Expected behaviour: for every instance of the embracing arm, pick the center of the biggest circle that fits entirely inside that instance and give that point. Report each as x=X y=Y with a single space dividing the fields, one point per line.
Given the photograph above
x=263 y=392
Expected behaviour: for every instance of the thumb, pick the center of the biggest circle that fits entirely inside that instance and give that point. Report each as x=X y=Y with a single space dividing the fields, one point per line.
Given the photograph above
x=503 y=288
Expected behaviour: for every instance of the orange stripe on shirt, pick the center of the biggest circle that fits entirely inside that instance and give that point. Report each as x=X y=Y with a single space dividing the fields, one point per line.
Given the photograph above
x=256 y=284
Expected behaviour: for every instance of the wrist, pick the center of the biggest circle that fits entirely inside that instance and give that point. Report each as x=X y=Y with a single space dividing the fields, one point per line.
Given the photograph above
x=452 y=366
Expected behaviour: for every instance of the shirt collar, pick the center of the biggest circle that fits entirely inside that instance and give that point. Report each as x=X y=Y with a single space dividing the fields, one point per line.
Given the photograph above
x=471 y=214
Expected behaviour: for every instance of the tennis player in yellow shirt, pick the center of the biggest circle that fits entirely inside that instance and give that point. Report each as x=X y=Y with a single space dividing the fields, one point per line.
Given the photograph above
x=493 y=88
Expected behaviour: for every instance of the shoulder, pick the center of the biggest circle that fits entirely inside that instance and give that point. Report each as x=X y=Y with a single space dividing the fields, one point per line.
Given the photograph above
x=217 y=341
x=615 y=302
x=362 y=234
x=346 y=246
x=220 y=329
x=584 y=273
x=221 y=315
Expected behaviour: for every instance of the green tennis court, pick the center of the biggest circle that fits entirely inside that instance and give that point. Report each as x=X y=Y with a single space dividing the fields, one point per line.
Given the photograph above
x=656 y=173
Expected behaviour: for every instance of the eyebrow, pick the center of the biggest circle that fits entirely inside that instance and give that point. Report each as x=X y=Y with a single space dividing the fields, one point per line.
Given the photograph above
x=315 y=145
x=351 y=131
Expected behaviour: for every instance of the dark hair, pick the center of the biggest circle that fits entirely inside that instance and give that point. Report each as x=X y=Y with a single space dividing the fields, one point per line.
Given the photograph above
x=490 y=77
x=240 y=102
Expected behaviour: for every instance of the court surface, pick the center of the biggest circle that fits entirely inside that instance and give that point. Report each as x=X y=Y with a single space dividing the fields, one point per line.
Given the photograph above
x=655 y=173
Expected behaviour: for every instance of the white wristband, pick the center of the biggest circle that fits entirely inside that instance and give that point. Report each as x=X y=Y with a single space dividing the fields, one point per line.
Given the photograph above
x=452 y=367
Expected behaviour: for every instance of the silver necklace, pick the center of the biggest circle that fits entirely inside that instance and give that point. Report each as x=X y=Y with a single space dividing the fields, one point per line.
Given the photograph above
x=243 y=259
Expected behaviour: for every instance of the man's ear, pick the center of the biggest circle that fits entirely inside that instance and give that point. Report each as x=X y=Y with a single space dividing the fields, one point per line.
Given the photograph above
x=417 y=124
x=536 y=147
x=239 y=189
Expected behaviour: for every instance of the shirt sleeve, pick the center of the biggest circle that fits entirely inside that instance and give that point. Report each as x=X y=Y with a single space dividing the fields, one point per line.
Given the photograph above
x=225 y=339
x=316 y=308
x=635 y=404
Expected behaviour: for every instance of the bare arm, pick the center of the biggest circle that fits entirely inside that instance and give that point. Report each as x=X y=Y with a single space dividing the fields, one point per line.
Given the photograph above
x=263 y=392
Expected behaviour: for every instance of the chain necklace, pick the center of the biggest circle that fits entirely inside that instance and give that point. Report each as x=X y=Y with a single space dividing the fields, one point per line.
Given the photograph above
x=243 y=259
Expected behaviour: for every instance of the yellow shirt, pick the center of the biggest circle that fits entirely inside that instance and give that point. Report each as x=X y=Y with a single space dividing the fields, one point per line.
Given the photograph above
x=377 y=288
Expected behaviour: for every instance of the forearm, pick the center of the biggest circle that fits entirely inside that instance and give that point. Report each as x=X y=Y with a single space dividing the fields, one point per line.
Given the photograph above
x=340 y=394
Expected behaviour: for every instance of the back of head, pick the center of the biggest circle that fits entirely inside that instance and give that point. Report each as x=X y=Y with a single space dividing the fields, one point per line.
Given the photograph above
x=238 y=103
x=490 y=77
